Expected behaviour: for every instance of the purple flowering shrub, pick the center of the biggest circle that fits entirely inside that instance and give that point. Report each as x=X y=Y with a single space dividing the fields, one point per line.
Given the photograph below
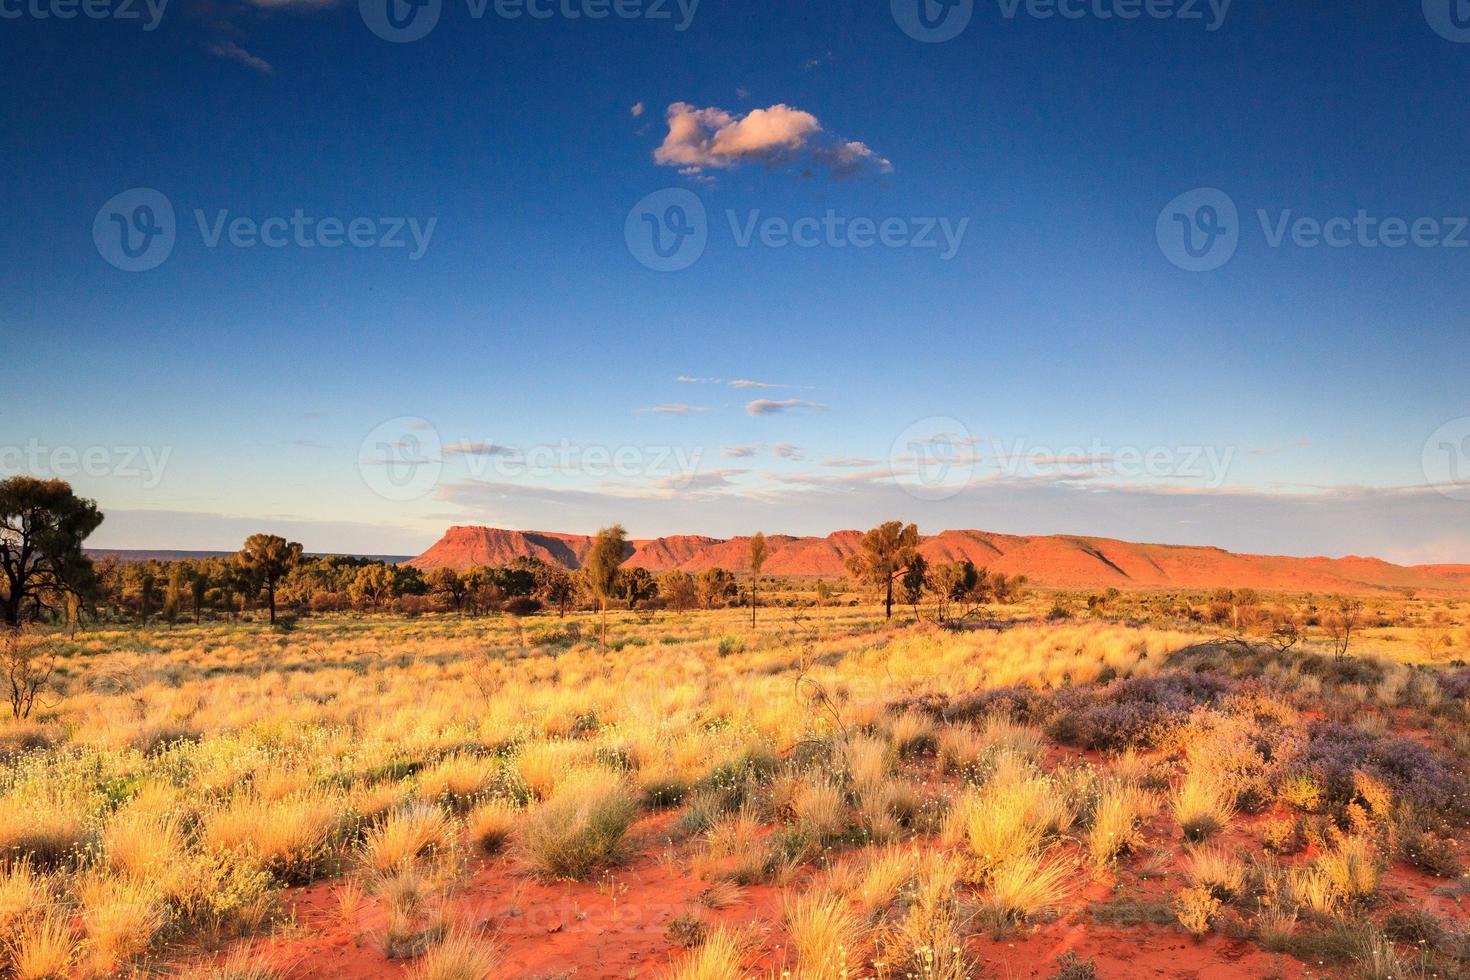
x=1335 y=753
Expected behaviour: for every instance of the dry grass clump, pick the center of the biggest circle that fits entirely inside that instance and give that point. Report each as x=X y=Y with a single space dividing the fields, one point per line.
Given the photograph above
x=580 y=828
x=491 y=824
x=1202 y=806
x=718 y=957
x=48 y=833
x=43 y=947
x=1352 y=869
x=1216 y=869
x=1196 y=908
x=23 y=891
x=911 y=733
x=926 y=937
x=122 y=918
x=408 y=836
x=457 y=780
x=826 y=934
x=290 y=837
x=1117 y=821
x=1026 y=886
x=458 y=956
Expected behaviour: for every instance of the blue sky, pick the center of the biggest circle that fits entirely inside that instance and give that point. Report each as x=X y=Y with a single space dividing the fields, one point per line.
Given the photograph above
x=1294 y=399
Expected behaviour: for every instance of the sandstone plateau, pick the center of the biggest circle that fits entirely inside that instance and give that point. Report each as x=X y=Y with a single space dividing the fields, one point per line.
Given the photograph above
x=1052 y=561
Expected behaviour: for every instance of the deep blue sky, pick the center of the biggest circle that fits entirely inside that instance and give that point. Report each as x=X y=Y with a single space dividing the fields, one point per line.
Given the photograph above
x=1059 y=325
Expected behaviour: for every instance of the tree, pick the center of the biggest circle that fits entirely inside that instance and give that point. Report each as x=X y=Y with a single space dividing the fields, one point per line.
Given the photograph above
x=886 y=552
x=601 y=570
x=27 y=665
x=1342 y=622
x=556 y=588
x=270 y=557
x=452 y=586
x=680 y=589
x=141 y=579
x=757 y=559
x=637 y=585
x=42 y=527
x=955 y=582
x=915 y=580
x=715 y=587
x=373 y=585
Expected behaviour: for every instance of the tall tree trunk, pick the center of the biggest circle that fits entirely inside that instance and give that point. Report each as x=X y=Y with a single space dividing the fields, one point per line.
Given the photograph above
x=753 y=582
x=602 y=644
x=270 y=596
x=888 y=602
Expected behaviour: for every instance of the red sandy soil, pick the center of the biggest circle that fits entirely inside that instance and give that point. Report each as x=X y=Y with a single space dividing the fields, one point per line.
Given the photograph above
x=1060 y=561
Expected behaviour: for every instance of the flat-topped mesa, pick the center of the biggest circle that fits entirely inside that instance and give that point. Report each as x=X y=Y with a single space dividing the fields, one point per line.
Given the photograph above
x=1052 y=561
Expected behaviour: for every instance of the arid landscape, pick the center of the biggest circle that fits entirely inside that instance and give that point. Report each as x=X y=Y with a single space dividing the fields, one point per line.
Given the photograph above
x=676 y=778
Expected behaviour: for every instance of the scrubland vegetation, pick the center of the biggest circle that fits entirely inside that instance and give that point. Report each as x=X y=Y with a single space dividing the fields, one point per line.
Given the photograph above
x=825 y=795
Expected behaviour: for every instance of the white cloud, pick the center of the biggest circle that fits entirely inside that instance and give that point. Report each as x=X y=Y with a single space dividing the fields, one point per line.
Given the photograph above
x=231 y=51
x=711 y=138
x=637 y=110
x=765 y=406
x=673 y=410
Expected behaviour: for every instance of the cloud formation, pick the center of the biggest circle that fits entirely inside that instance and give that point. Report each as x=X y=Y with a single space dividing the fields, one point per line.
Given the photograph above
x=231 y=51
x=766 y=406
x=701 y=139
x=673 y=410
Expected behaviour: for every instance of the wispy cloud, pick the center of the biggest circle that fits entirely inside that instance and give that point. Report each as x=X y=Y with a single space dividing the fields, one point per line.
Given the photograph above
x=673 y=410
x=766 y=406
x=479 y=449
x=702 y=139
x=637 y=110
x=742 y=383
x=850 y=462
x=231 y=51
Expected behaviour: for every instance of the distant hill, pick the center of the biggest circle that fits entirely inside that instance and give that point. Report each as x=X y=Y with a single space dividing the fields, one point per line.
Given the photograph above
x=1055 y=561
x=126 y=555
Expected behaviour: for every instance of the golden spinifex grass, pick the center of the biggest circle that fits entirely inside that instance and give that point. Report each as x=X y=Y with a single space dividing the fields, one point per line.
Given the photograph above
x=902 y=786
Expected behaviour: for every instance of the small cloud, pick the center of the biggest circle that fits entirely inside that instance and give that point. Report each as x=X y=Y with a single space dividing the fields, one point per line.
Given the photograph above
x=742 y=93
x=699 y=482
x=767 y=384
x=637 y=110
x=307 y=444
x=686 y=379
x=765 y=406
x=478 y=449
x=672 y=410
x=231 y=51
x=311 y=416
x=740 y=452
x=712 y=138
x=422 y=426
x=785 y=450
x=812 y=64
x=851 y=462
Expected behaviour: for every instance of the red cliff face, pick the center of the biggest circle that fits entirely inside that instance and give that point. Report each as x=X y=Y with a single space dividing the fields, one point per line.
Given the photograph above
x=1058 y=561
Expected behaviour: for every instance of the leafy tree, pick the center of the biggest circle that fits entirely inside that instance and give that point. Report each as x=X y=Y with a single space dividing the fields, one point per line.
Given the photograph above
x=141 y=580
x=269 y=557
x=26 y=666
x=451 y=586
x=680 y=589
x=609 y=551
x=716 y=586
x=886 y=552
x=42 y=527
x=373 y=585
x=556 y=588
x=915 y=581
x=637 y=585
x=757 y=559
